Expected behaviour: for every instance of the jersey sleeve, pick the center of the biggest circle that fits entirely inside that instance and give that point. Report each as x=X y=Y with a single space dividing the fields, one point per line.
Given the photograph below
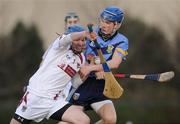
x=122 y=49
x=62 y=41
x=76 y=81
x=46 y=52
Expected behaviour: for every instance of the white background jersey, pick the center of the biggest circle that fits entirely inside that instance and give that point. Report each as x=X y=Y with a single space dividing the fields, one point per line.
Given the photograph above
x=59 y=66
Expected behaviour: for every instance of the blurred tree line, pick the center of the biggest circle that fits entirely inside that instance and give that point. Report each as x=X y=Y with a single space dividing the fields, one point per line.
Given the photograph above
x=20 y=56
x=20 y=53
x=142 y=101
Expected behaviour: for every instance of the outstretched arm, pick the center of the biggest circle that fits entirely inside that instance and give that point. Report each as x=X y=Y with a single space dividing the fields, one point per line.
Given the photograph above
x=79 y=35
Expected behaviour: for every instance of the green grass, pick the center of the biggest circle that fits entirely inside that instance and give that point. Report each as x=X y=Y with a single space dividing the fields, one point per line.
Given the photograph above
x=158 y=111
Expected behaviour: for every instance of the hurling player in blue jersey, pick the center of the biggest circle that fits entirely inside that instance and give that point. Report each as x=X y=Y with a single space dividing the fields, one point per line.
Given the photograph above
x=114 y=47
x=71 y=19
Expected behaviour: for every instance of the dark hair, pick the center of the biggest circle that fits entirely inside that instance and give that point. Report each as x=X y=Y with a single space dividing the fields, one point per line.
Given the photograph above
x=71 y=15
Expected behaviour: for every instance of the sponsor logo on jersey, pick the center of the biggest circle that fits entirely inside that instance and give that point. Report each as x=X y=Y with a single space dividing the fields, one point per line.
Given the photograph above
x=69 y=70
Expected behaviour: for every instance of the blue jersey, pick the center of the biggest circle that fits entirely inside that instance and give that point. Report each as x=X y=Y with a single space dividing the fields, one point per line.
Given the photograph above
x=91 y=91
x=119 y=42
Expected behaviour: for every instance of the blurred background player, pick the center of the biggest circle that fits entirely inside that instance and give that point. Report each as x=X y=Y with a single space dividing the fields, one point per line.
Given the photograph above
x=71 y=19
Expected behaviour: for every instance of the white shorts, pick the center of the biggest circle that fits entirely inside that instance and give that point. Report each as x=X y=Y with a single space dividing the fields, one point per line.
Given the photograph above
x=36 y=108
x=97 y=105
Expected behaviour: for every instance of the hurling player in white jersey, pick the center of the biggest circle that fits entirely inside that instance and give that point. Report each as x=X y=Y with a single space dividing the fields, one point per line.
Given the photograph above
x=46 y=92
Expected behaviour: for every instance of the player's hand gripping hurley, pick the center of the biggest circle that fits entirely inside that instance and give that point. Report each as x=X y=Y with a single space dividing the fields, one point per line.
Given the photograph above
x=112 y=89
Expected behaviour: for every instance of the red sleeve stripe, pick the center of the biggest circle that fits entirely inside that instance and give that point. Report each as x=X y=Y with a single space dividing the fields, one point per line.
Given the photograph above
x=70 y=71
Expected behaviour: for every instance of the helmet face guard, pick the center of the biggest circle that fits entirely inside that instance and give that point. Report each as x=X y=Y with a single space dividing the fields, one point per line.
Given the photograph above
x=112 y=14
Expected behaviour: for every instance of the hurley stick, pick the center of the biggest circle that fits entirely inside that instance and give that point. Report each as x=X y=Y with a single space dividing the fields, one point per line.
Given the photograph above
x=112 y=88
x=160 y=77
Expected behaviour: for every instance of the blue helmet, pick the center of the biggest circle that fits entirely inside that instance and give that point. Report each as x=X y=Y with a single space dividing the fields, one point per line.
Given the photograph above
x=113 y=14
x=74 y=28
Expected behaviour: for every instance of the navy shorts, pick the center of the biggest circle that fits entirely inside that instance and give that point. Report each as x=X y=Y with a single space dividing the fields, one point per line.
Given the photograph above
x=89 y=92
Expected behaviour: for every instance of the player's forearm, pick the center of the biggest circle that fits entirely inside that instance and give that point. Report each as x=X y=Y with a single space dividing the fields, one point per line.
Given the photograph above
x=85 y=70
x=99 y=67
x=115 y=61
x=95 y=67
x=78 y=35
x=114 y=64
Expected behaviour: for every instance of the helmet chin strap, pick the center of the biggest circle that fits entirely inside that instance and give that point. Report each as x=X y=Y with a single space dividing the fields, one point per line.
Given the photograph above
x=104 y=36
x=113 y=31
x=116 y=27
x=107 y=36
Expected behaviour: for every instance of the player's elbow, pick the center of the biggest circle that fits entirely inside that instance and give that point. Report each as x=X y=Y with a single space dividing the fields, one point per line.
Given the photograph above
x=115 y=65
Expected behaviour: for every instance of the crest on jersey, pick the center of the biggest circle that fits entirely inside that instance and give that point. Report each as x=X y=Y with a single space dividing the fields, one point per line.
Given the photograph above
x=109 y=49
x=92 y=44
x=76 y=96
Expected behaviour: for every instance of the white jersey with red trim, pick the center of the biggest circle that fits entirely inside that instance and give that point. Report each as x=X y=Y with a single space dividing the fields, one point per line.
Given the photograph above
x=60 y=65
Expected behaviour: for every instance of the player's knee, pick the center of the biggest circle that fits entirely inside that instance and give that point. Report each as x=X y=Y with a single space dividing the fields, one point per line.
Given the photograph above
x=86 y=120
x=110 y=119
x=80 y=119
